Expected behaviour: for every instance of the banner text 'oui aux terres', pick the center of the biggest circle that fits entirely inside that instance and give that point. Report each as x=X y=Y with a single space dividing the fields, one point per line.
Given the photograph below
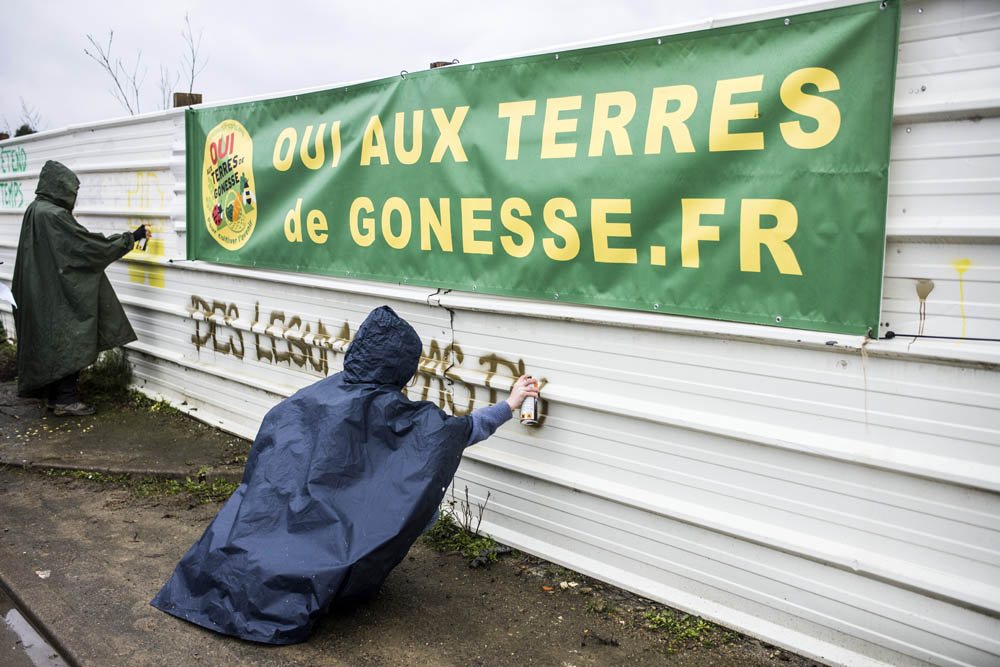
x=737 y=173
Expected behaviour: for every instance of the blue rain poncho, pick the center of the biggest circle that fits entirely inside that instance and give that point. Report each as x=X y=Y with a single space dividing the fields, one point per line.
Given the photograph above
x=342 y=479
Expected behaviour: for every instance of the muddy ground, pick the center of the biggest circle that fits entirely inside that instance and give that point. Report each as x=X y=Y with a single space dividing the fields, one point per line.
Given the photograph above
x=107 y=549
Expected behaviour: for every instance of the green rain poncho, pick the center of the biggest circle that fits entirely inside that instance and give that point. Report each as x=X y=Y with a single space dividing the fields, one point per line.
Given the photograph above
x=67 y=311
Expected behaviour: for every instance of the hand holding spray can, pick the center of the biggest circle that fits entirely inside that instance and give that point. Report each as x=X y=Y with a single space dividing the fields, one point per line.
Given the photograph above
x=524 y=396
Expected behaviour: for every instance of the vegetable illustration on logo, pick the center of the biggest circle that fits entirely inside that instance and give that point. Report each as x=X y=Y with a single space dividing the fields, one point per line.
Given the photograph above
x=230 y=202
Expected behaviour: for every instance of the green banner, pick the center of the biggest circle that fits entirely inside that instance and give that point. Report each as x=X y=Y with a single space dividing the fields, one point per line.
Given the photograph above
x=737 y=173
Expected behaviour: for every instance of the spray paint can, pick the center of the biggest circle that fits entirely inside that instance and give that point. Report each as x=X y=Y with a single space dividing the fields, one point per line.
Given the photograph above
x=529 y=411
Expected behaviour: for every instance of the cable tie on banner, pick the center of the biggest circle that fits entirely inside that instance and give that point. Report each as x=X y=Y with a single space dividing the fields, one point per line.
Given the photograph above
x=402 y=74
x=889 y=335
x=884 y=5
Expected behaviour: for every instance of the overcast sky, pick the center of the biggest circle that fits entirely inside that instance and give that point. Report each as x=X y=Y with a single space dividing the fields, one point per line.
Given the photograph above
x=256 y=48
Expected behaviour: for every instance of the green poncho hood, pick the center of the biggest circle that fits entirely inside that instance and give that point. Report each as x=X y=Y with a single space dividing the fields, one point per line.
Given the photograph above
x=58 y=184
x=67 y=311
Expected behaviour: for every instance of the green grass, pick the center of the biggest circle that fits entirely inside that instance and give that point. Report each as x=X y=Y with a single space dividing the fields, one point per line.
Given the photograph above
x=681 y=629
x=217 y=490
x=139 y=401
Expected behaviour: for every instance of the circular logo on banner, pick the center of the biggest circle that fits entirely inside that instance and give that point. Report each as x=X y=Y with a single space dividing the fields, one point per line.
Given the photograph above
x=227 y=186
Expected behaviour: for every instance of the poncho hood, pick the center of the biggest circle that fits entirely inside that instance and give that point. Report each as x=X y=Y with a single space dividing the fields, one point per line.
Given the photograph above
x=58 y=184
x=386 y=350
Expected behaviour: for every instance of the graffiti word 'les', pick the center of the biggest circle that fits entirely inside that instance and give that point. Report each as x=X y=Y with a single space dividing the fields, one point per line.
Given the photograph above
x=13 y=160
x=285 y=339
x=11 y=195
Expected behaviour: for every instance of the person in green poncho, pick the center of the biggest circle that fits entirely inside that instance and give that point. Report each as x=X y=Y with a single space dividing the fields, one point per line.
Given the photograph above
x=67 y=312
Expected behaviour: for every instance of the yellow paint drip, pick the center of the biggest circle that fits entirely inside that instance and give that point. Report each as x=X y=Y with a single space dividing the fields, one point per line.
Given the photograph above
x=961 y=265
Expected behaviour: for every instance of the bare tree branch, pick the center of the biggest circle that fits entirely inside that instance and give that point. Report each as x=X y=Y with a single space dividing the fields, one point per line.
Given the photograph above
x=190 y=58
x=126 y=85
x=30 y=116
x=167 y=85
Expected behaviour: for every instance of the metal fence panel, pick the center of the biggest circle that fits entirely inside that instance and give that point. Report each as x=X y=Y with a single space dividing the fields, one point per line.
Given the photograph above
x=834 y=495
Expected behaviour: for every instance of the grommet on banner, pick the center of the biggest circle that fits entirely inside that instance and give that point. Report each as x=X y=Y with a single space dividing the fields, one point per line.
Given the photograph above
x=656 y=306
x=473 y=67
x=556 y=295
x=402 y=74
x=473 y=288
x=659 y=41
x=886 y=4
x=787 y=21
x=557 y=56
x=778 y=319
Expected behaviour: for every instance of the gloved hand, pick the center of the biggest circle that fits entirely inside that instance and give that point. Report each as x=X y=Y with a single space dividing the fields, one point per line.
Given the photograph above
x=139 y=234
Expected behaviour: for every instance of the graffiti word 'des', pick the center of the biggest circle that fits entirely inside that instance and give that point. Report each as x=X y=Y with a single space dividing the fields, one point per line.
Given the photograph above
x=277 y=338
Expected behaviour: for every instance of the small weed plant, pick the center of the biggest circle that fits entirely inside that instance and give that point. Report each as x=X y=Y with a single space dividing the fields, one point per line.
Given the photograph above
x=680 y=629
x=457 y=530
x=107 y=380
x=8 y=357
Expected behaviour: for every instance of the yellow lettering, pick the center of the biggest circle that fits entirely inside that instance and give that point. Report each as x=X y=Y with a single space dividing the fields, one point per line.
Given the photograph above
x=692 y=231
x=605 y=124
x=373 y=144
x=602 y=230
x=752 y=237
x=674 y=121
x=315 y=161
x=724 y=110
x=285 y=144
x=471 y=224
x=658 y=255
x=555 y=125
x=335 y=142
x=562 y=227
x=517 y=226
x=316 y=226
x=367 y=237
x=431 y=222
x=449 y=134
x=515 y=111
x=399 y=132
x=293 y=223
x=825 y=111
x=393 y=205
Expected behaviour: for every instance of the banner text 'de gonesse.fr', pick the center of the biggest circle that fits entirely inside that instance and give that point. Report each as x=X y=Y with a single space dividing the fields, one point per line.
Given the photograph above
x=737 y=173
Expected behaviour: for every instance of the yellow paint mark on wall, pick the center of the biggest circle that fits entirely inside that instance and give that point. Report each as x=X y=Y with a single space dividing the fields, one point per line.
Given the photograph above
x=961 y=265
x=141 y=198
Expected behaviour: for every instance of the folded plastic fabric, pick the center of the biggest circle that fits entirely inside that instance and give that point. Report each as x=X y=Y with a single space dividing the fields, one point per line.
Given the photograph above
x=342 y=478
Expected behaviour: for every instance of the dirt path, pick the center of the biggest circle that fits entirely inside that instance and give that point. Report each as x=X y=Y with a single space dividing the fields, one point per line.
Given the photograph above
x=109 y=551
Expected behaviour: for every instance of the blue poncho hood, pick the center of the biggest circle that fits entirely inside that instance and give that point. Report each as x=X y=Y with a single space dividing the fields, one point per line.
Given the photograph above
x=342 y=478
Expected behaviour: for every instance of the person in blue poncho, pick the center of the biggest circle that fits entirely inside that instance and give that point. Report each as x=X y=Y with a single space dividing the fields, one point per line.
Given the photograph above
x=341 y=480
